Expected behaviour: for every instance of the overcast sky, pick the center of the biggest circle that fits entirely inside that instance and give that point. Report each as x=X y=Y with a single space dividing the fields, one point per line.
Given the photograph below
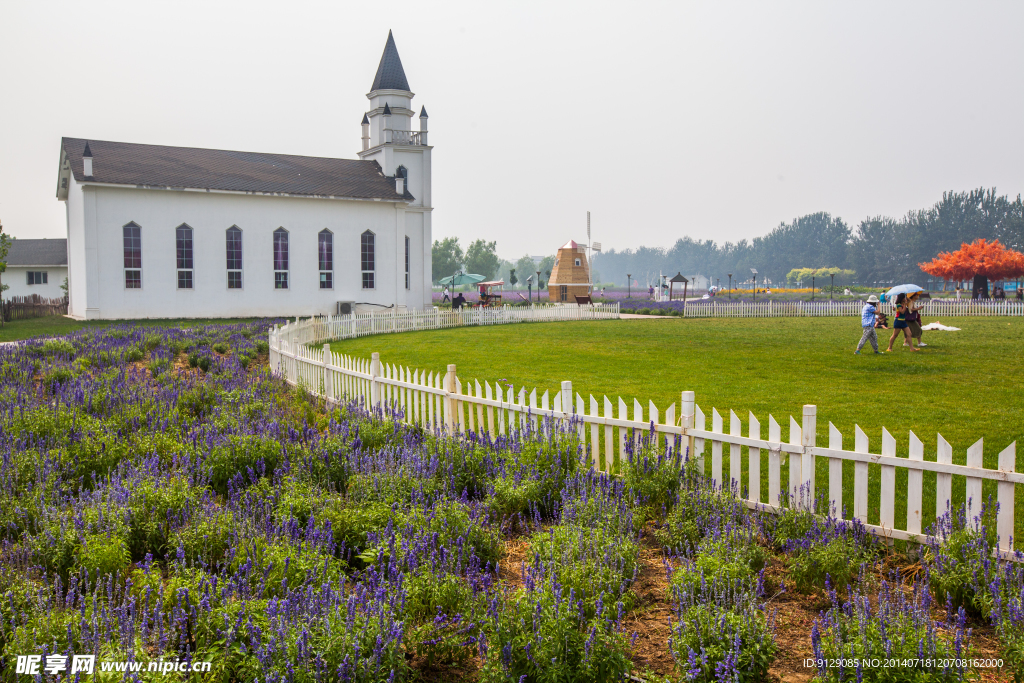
x=717 y=120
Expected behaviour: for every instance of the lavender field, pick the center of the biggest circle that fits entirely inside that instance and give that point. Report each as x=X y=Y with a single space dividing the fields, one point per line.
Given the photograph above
x=166 y=499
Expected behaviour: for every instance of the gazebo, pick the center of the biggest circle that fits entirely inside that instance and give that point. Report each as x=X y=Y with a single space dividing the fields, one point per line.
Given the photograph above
x=678 y=277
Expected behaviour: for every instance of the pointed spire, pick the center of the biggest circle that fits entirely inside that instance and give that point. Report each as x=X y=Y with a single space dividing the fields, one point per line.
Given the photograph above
x=365 y=120
x=423 y=113
x=390 y=74
x=387 y=109
x=87 y=152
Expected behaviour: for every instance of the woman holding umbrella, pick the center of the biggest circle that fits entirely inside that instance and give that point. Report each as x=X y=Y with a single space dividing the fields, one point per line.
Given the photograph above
x=901 y=324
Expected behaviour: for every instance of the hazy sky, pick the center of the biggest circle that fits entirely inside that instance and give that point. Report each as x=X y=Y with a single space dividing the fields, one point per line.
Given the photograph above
x=715 y=119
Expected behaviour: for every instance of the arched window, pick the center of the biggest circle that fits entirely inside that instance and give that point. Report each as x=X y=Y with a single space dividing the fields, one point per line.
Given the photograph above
x=367 y=240
x=280 y=259
x=233 y=239
x=132 y=234
x=183 y=244
x=325 y=258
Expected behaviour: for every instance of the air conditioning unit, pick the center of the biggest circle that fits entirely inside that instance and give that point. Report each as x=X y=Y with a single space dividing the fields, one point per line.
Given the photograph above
x=346 y=308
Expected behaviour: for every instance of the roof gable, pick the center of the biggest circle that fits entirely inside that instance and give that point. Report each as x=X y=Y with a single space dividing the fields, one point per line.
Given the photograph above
x=124 y=163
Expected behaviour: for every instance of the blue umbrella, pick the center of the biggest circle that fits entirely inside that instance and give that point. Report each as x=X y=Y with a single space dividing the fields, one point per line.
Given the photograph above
x=903 y=289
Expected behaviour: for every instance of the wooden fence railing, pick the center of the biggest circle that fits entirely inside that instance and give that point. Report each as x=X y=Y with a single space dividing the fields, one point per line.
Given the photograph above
x=32 y=306
x=777 y=469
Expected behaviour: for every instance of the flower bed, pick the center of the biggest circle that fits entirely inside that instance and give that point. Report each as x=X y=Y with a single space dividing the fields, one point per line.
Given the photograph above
x=167 y=498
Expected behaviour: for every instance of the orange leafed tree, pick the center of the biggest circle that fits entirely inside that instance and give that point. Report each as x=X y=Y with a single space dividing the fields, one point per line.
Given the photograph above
x=980 y=258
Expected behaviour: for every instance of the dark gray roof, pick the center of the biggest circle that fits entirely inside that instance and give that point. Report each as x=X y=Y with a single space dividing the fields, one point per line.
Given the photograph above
x=53 y=252
x=390 y=74
x=126 y=163
x=87 y=152
x=365 y=120
x=423 y=113
x=387 y=109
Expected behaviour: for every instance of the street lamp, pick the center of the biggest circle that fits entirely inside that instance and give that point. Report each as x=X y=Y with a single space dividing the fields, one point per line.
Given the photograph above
x=538 y=288
x=812 y=288
x=754 y=271
x=832 y=287
x=529 y=288
x=629 y=283
x=730 y=285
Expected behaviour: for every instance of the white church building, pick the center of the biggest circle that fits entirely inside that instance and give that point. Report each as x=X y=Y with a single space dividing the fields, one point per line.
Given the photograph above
x=179 y=232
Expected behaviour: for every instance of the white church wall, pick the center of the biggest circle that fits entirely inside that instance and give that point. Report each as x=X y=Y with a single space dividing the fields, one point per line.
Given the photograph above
x=16 y=277
x=75 y=208
x=159 y=213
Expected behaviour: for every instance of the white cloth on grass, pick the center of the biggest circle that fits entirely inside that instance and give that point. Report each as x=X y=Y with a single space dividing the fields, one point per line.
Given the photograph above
x=940 y=327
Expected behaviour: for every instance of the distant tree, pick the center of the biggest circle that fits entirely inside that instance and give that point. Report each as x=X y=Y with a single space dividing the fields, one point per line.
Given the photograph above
x=482 y=258
x=804 y=275
x=5 y=245
x=525 y=267
x=546 y=265
x=512 y=279
x=446 y=258
x=981 y=260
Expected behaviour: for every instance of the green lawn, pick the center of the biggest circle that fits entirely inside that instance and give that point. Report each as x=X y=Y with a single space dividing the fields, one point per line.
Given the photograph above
x=965 y=385
x=17 y=330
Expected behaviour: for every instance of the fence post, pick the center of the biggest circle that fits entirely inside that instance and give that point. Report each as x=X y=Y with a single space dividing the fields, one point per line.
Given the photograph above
x=450 y=404
x=809 y=433
x=687 y=405
x=328 y=379
x=374 y=385
x=567 y=405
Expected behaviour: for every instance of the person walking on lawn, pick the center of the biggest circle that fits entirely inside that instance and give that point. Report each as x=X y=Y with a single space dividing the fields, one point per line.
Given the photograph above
x=867 y=323
x=900 y=324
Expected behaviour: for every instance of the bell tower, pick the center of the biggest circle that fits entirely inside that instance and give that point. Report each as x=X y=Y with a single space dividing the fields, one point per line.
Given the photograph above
x=404 y=155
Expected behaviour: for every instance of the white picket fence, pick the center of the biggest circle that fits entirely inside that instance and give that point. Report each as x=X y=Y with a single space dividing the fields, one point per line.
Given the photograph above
x=435 y=400
x=332 y=327
x=809 y=309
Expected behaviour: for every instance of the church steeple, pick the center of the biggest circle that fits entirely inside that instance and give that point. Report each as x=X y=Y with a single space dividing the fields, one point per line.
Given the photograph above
x=390 y=74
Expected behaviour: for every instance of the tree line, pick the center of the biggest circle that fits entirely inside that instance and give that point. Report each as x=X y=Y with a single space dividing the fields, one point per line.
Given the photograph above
x=879 y=249
x=481 y=258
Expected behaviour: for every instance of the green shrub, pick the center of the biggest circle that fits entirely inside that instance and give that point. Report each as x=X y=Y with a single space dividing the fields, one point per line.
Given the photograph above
x=58 y=347
x=280 y=565
x=736 y=560
x=539 y=635
x=153 y=508
x=221 y=347
x=839 y=559
x=58 y=376
x=262 y=454
x=723 y=637
x=700 y=511
x=198 y=401
x=205 y=538
x=589 y=561
x=651 y=478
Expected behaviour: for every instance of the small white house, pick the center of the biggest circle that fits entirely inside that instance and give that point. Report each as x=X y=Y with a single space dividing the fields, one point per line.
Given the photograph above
x=36 y=267
x=179 y=232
